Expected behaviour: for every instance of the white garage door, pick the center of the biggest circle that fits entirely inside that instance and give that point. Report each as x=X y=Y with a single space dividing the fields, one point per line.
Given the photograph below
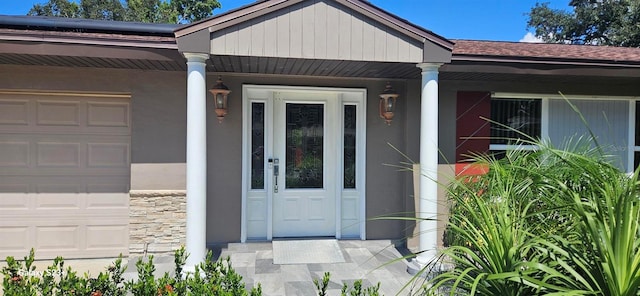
x=64 y=174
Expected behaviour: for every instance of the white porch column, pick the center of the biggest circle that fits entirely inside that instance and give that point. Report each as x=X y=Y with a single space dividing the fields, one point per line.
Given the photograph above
x=428 y=239
x=196 y=159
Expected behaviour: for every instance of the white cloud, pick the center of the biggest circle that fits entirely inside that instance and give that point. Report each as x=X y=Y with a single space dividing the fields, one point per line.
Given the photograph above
x=530 y=38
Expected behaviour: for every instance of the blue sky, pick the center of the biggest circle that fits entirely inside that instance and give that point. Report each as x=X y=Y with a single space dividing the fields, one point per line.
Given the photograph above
x=503 y=20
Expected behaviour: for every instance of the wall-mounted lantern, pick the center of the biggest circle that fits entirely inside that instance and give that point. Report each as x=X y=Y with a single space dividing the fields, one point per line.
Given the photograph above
x=388 y=103
x=220 y=93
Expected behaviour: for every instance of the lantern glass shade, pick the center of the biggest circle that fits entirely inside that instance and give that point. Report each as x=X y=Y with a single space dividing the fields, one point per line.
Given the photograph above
x=220 y=101
x=391 y=102
x=220 y=94
x=388 y=103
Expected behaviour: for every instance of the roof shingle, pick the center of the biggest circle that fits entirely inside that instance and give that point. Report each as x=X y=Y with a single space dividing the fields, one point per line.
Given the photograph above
x=545 y=51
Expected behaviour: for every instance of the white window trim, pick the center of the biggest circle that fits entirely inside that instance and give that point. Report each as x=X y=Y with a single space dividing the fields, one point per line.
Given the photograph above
x=544 y=120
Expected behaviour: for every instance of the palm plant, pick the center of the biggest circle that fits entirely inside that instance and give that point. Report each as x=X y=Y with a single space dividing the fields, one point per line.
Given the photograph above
x=544 y=222
x=491 y=236
x=605 y=257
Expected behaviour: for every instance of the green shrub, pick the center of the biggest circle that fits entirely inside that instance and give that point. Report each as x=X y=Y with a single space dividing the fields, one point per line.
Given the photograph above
x=212 y=278
x=22 y=278
x=545 y=222
x=356 y=290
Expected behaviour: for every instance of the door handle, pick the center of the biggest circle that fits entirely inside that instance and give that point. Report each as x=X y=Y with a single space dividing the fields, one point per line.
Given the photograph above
x=276 y=172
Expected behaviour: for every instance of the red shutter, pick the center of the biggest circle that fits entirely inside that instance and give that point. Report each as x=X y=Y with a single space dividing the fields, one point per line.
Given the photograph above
x=472 y=131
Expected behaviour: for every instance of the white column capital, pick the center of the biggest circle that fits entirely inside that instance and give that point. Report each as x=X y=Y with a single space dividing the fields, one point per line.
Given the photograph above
x=429 y=67
x=193 y=57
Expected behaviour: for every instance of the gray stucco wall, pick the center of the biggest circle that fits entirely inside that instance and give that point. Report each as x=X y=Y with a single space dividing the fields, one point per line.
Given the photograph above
x=385 y=191
x=159 y=132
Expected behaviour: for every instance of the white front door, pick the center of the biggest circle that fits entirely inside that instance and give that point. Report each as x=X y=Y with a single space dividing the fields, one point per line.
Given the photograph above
x=304 y=165
x=303 y=162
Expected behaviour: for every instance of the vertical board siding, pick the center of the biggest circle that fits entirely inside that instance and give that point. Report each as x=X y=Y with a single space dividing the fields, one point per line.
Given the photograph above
x=380 y=46
x=257 y=37
x=344 y=34
x=357 y=36
x=308 y=32
x=295 y=28
x=270 y=37
x=231 y=43
x=316 y=30
x=283 y=35
x=391 y=43
x=244 y=40
x=321 y=31
x=368 y=39
x=333 y=31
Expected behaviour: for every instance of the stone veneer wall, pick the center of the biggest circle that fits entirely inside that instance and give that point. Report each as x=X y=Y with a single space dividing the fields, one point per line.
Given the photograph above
x=157 y=221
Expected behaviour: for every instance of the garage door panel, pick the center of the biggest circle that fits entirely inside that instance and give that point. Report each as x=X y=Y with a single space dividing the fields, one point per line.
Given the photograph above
x=64 y=174
x=107 y=236
x=14 y=239
x=58 y=154
x=14 y=154
x=13 y=201
x=62 y=216
x=57 y=201
x=52 y=113
x=63 y=204
x=58 y=114
x=107 y=188
x=48 y=182
x=108 y=155
x=84 y=237
x=107 y=200
x=14 y=112
x=63 y=187
x=108 y=114
x=58 y=238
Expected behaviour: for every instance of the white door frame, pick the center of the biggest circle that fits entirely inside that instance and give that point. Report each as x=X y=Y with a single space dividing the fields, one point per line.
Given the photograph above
x=261 y=201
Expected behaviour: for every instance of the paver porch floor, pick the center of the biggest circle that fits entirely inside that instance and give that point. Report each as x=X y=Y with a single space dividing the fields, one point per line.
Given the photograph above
x=366 y=260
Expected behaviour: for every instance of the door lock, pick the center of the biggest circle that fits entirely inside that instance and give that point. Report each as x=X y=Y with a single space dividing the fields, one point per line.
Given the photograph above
x=276 y=172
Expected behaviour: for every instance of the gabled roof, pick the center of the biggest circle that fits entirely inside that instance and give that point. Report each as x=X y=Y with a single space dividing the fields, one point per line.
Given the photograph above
x=519 y=52
x=263 y=7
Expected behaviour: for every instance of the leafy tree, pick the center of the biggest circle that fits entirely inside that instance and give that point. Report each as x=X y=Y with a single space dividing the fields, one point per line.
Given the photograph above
x=597 y=22
x=60 y=8
x=147 y=11
x=102 y=9
x=192 y=10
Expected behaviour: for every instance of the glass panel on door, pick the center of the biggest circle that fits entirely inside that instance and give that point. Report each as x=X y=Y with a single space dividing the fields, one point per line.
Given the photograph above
x=304 y=146
x=257 y=145
x=349 y=154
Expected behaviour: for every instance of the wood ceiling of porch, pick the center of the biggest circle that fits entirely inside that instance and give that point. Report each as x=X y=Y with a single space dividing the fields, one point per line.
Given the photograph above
x=314 y=67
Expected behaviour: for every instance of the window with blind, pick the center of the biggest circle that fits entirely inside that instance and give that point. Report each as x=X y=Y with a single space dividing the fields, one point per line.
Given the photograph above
x=513 y=123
